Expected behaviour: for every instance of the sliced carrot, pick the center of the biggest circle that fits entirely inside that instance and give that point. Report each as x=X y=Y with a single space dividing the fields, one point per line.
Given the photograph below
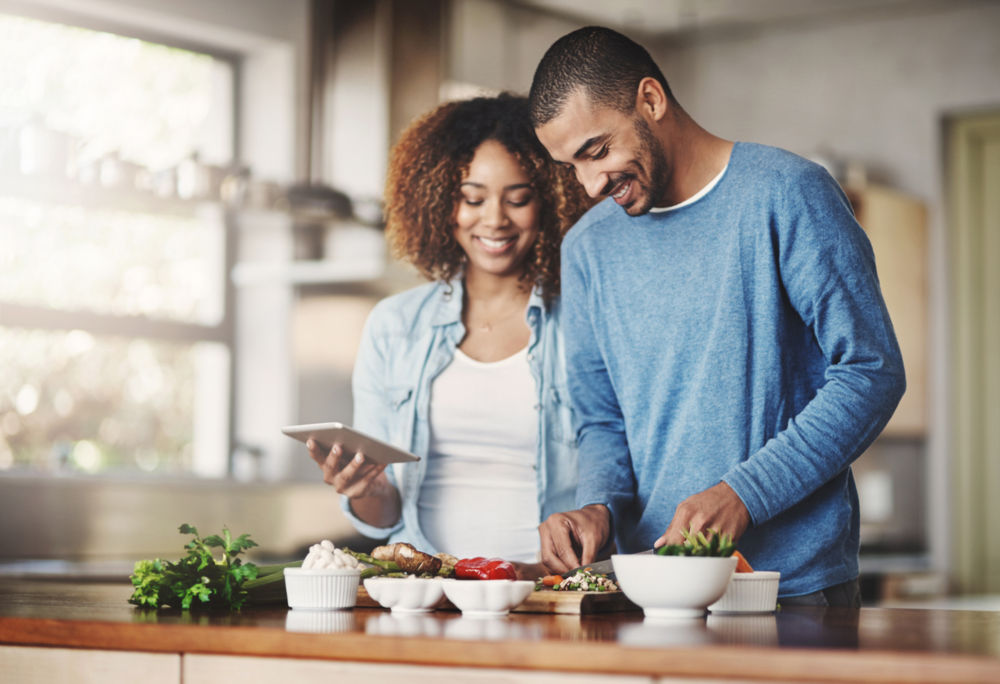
x=551 y=580
x=741 y=563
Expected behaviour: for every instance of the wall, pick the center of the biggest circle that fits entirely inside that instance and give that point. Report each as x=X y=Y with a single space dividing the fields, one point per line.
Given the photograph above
x=875 y=90
x=495 y=46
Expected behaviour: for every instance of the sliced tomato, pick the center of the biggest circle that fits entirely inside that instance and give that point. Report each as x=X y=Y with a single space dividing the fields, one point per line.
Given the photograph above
x=741 y=563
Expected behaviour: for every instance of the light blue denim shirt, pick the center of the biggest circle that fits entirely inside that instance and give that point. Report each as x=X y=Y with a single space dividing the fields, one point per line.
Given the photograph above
x=408 y=340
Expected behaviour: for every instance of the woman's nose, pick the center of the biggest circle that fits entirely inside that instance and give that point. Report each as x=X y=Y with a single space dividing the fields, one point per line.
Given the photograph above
x=494 y=213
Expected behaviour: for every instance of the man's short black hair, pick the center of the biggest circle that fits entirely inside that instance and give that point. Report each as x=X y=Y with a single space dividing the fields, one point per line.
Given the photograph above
x=606 y=64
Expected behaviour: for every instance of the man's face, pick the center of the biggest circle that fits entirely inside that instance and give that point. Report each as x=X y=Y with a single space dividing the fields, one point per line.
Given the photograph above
x=613 y=154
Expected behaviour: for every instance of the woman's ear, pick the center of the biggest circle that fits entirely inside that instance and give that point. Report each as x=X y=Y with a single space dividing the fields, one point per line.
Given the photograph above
x=651 y=100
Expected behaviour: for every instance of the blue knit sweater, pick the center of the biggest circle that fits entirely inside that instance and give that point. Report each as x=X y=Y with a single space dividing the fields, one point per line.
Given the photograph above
x=741 y=338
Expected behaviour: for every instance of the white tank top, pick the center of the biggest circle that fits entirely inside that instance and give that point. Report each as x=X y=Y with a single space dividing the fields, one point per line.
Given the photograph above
x=480 y=496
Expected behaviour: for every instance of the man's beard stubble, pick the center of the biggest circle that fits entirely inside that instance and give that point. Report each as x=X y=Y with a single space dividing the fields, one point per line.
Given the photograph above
x=656 y=163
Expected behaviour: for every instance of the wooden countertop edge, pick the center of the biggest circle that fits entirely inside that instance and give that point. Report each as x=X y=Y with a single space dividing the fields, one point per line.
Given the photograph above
x=771 y=664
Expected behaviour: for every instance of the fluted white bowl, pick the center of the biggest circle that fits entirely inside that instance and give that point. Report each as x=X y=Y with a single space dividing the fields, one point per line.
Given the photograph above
x=406 y=594
x=673 y=586
x=749 y=592
x=322 y=589
x=487 y=598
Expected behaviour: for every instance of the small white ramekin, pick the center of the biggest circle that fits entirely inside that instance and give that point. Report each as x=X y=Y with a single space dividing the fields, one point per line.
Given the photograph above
x=406 y=595
x=487 y=598
x=749 y=592
x=322 y=589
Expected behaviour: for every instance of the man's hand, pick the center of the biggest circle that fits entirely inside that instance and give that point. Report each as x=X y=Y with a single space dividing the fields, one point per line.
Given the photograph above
x=587 y=529
x=717 y=508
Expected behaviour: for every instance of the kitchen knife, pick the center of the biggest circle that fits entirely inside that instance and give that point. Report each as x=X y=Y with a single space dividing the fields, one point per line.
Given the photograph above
x=603 y=567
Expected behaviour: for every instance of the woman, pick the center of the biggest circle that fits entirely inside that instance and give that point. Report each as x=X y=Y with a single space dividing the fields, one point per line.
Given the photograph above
x=467 y=371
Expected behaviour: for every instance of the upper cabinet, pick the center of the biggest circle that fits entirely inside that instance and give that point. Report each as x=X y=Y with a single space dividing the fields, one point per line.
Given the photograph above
x=896 y=224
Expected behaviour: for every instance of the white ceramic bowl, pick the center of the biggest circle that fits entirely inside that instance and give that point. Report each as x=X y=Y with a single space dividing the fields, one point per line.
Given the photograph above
x=406 y=594
x=673 y=586
x=487 y=598
x=749 y=592
x=322 y=589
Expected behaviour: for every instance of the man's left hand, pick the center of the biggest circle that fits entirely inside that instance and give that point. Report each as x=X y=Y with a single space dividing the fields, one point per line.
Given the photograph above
x=717 y=508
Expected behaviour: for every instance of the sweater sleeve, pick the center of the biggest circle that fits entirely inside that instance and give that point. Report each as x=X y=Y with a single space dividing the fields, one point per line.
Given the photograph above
x=606 y=475
x=367 y=386
x=828 y=271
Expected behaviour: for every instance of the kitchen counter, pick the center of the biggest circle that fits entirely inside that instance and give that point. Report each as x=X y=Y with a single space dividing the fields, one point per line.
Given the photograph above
x=795 y=644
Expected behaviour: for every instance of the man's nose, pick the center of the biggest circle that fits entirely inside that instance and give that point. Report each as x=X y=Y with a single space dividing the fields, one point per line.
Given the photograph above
x=592 y=181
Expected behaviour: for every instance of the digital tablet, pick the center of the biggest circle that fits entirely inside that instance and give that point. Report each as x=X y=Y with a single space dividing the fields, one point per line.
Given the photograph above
x=328 y=434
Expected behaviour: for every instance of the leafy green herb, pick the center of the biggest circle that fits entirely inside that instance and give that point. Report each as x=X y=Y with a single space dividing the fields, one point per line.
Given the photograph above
x=198 y=578
x=700 y=544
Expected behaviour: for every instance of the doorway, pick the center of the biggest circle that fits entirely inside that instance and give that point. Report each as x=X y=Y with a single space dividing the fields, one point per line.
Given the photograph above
x=973 y=177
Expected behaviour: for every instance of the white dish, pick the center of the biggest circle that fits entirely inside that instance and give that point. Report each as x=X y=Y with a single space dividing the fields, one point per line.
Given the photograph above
x=749 y=592
x=487 y=598
x=667 y=587
x=406 y=595
x=322 y=588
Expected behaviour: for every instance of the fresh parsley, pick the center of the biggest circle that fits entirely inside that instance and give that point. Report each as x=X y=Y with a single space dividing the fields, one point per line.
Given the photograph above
x=197 y=579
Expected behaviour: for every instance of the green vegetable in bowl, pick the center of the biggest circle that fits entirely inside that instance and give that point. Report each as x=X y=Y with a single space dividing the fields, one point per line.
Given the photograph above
x=197 y=578
x=698 y=544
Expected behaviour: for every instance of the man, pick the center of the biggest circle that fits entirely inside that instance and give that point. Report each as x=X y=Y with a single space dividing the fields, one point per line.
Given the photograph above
x=729 y=348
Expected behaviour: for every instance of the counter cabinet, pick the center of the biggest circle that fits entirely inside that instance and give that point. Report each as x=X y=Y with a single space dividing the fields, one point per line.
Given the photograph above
x=55 y=631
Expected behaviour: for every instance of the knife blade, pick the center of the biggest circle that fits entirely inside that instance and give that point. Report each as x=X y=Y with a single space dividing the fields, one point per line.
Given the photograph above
x=603 y=567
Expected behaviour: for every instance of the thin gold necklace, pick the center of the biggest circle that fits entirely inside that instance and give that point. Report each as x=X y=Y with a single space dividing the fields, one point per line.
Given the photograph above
x=487 y=326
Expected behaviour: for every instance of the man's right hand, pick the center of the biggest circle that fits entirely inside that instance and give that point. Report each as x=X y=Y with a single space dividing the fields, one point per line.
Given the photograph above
x=587 y=529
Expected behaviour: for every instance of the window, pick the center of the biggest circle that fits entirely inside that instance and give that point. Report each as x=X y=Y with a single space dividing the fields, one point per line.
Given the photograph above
x=114 y=315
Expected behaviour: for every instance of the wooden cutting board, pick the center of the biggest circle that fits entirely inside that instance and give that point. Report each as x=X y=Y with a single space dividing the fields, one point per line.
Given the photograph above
x=575 y=602
x=547 y=601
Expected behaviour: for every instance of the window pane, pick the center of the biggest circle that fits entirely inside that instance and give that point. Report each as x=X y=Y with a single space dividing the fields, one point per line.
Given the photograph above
x=112 y=262
x=112 y=152
x=150 y=103
x=69 y=400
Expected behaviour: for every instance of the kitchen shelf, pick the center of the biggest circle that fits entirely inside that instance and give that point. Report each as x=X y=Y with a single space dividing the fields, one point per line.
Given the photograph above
x=66 y=192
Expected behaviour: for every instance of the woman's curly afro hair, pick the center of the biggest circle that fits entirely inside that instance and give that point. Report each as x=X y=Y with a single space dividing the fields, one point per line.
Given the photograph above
x=426 y=168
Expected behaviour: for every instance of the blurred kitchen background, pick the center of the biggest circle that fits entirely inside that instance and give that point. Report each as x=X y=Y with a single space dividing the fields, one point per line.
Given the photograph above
x=191 y=239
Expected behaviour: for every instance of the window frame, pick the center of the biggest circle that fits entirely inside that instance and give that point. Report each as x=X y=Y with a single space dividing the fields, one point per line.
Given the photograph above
x=21 y=316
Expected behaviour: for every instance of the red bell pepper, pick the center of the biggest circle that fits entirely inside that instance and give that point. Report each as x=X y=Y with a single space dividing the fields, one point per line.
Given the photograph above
x=485 y=569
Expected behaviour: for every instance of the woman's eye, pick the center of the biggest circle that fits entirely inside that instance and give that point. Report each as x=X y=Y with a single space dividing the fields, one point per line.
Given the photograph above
x=472 y=202
x=521 y=202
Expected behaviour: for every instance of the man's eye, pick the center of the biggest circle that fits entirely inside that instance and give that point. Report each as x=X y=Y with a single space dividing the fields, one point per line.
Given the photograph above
x=601 y=153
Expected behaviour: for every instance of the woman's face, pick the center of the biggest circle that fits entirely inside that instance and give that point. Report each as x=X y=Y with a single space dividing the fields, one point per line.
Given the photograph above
x=498 y=210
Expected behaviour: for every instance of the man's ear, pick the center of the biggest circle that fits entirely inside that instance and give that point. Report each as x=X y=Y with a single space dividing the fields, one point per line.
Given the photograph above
x=650 y=100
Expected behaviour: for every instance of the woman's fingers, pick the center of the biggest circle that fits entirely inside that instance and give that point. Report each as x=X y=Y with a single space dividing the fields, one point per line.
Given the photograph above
x=365 y=483
x=349 y=476
x=316 y=452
